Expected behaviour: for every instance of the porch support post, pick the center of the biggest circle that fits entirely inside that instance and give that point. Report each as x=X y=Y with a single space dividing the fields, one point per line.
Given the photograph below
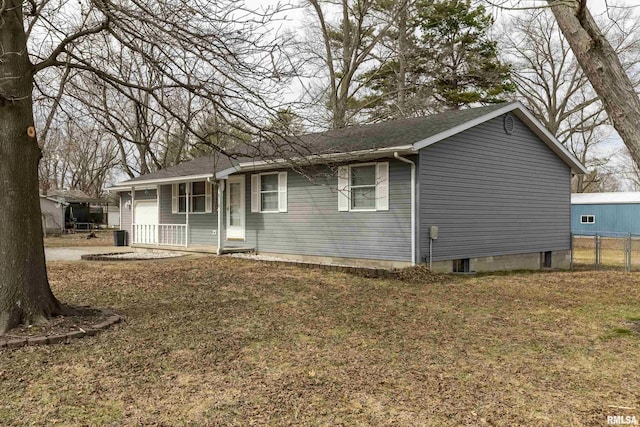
x=188 y=205
x=133 y=214
x=220 y=211
x=158 y=188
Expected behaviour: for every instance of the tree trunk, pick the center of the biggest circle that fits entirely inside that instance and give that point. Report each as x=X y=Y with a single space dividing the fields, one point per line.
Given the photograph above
x=25 y=295
x=604 y=70
x=402 y=63
x=339 y=119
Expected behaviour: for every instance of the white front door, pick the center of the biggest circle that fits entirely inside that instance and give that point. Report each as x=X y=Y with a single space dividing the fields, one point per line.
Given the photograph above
x=145 y=218
x=235 y=208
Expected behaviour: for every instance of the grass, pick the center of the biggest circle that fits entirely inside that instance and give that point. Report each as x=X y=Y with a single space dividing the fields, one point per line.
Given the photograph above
x=105 y=238
x=221 y=341
x=612 y=253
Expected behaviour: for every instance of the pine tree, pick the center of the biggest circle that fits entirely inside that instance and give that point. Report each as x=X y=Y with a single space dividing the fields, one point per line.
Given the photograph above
x=445 y=58
x=458 y=55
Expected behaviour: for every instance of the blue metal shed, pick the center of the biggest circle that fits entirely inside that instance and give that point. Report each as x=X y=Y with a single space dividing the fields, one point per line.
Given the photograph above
x=605 y=213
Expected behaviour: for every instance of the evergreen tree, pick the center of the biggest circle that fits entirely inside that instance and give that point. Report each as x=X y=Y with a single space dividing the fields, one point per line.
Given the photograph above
x=285 y=123
x=459 y=56
x=445 y=58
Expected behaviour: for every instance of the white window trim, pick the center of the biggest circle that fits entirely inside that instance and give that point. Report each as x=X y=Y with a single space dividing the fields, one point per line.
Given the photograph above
x=348 y=194
x=190 y=196
x=256 y=205
x=374 y=185
x=582 y=217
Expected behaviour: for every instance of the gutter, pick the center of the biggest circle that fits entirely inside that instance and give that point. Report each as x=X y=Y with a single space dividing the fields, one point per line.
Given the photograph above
x=413 y=204
x=153 y=183
x=257 y=165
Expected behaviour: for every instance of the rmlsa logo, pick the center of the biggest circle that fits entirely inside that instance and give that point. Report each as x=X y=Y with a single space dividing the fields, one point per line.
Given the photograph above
x=622 y=420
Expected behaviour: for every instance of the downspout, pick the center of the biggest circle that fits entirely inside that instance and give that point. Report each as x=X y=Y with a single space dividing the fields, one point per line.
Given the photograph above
x=413 y=204
x=220 y=210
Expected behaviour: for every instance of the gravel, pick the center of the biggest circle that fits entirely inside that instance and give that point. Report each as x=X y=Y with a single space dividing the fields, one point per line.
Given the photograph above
x=143 y=255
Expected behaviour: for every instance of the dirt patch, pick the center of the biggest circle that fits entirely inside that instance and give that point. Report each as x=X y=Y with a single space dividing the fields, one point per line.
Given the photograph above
x=421 y=274
x=78 y=323
x=82 y=319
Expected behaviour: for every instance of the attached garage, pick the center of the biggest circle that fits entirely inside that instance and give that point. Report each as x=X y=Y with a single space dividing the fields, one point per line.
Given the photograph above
x=145 y=217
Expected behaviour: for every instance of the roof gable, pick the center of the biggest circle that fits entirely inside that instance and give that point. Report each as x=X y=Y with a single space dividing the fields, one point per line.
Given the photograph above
x=517 y=109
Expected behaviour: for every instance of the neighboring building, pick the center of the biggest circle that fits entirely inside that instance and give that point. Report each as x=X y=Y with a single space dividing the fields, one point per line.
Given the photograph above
x=493 y=180
x=52 y=210
x=605 y=213
x=113 y=216
x=82 y=211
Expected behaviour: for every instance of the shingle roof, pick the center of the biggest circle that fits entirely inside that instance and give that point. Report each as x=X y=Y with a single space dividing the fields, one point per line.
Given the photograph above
x=72 y=196
x=201 y=165
x=392 y=133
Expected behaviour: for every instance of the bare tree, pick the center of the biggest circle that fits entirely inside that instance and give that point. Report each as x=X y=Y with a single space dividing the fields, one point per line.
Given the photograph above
x=218 y=51
x=601 y=64
x=555 y=86
x=346 y=49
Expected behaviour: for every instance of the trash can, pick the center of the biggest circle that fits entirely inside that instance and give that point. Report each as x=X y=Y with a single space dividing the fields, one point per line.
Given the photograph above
x=120 y=238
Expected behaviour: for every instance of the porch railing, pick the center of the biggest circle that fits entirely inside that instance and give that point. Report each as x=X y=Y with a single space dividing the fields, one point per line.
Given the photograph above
x=160 y=234
x=172 y=234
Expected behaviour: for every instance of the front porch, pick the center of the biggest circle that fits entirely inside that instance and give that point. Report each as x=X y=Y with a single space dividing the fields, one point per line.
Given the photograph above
x=173 y=237
x=200 y=249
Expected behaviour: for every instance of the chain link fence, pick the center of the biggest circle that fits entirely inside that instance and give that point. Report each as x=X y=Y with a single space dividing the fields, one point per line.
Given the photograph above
x=605 y=251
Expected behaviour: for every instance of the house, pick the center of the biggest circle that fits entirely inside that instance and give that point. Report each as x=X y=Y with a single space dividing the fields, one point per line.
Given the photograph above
x=113 y=216
x=52 y=211
x=82 y=211
x=471 y=190
x=605 y=213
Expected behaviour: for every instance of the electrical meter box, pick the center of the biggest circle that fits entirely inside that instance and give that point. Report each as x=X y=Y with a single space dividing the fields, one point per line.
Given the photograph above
x=433 y=232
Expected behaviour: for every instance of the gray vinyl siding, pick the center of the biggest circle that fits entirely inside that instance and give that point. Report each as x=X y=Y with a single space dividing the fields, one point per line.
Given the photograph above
x=314 y=226
x=125 y=213
x=493 y=194
x=201 y=225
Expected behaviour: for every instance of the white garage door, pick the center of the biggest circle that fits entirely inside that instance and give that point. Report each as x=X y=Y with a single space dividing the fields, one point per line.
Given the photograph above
x=145 y=217
x=146 y=212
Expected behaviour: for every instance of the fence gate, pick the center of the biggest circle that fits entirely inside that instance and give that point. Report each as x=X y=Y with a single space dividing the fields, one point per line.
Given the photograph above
x=605 y=251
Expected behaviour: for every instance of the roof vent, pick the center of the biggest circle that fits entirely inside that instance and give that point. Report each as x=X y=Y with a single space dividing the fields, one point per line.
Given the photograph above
x=508 y=123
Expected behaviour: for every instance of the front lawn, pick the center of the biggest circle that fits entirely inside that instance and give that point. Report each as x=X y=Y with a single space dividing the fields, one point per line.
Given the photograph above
x=103 y=238
x=221 y=341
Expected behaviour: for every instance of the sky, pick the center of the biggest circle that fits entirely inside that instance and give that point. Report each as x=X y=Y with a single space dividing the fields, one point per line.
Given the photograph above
x=612 y=146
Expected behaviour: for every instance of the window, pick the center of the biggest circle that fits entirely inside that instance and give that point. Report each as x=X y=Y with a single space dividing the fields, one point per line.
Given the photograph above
x=269 y=192
x=461 y=265
x=182 y=197
x=547 y=259
x=199 y=195
x=363 y=187
x=587 y=219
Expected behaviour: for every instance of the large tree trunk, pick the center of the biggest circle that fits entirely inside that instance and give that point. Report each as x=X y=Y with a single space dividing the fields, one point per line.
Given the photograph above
x=25 y=295
x=603 y=68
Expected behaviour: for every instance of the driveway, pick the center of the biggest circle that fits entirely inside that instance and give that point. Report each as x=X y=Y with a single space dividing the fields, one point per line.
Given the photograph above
x=74 y=253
